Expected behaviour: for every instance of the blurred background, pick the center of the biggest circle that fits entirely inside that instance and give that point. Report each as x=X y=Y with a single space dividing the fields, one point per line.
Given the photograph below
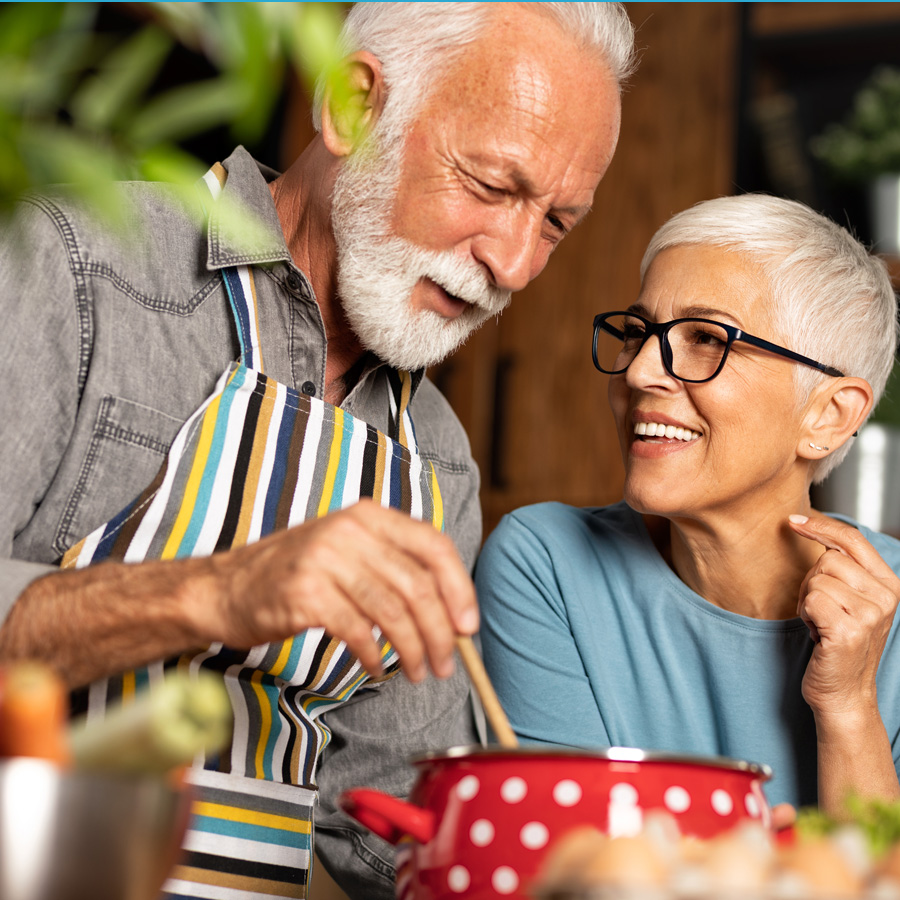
x=796 y=99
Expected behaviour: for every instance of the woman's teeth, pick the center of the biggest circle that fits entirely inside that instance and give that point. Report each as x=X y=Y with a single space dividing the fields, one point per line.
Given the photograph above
x=657 y=429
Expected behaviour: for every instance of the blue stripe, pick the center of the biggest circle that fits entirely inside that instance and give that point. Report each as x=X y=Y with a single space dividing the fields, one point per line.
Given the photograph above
x=396 y=496
x=198 y=514
x=279 y=469
x=111 y=532
x=340 y=477
x=293 y=660
x=261 y=833
x=241 y=313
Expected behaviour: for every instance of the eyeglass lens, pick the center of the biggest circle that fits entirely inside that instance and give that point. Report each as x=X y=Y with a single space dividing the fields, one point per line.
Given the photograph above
x=697 y=347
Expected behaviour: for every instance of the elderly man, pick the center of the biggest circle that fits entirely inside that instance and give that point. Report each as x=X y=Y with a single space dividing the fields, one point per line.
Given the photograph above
x=240 y=431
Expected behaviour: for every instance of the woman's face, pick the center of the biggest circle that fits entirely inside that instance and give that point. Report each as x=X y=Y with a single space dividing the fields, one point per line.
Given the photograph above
x=741 y=429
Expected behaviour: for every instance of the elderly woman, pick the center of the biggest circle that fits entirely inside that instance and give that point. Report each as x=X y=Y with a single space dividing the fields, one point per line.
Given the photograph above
x=713 y=611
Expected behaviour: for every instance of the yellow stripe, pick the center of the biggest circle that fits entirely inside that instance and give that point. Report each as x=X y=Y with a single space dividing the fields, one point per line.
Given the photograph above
x=405 y=388
x=283 y=656
x=438 y=515
x=260 y=438
x=334 y=459
x=129 y=685
x=265 y=721
x=72 y=555
x=192 y=488
x=379 y=468
x=259 y=356
x=249 y=817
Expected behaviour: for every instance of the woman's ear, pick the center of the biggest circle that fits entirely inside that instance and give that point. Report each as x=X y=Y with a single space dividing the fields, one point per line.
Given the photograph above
x=353 y=101
x=835 y=413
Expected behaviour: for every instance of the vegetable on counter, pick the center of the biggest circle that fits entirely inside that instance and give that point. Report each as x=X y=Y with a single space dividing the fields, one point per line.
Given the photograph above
x=34 y=704
x=162 y=728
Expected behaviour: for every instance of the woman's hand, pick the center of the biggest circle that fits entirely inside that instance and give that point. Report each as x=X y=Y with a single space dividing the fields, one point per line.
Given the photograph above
x=848 y=601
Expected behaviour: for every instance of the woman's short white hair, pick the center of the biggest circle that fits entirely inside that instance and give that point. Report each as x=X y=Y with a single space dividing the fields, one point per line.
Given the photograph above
x=409 y=38
x=831 y=299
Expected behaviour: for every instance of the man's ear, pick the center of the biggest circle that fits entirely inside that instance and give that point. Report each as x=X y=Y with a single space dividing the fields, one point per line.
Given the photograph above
x=835 y=413
x=352 y=103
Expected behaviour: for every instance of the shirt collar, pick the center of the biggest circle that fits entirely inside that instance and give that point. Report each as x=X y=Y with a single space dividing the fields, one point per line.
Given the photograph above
x=245 y=196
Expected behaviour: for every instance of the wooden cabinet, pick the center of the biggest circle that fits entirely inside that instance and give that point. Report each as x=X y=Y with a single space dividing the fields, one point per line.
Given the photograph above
x=525 y=388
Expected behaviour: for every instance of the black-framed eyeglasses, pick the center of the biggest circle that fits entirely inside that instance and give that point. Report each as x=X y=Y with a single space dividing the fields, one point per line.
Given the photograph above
x=692 y=350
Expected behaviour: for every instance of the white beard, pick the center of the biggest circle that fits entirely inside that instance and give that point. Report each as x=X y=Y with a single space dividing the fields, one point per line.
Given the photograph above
x=377 y=272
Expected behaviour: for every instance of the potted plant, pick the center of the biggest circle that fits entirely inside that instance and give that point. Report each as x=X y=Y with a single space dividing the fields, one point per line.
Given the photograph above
x=865 y=149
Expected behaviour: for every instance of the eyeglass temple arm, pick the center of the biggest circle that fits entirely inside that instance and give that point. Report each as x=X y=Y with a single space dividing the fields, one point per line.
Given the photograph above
x=783 y=351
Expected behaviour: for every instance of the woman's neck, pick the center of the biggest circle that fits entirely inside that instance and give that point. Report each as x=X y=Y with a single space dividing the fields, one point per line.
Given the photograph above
x=750 y=567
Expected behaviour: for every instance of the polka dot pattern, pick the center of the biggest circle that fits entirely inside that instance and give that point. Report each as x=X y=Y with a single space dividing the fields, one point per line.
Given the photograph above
x=458 y=879
x=507 y=818
x=513 y=790
x=567 y=792
x=677 y=799
x=504 y=880
x=534 y=835
x=481 y=832
x=721 y=802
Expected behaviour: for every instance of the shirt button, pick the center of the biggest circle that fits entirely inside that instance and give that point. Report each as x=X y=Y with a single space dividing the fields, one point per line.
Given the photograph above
x=294 y=284
x=308 y=388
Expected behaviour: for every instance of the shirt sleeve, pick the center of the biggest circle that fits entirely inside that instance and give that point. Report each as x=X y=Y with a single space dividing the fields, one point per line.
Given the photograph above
x=41 y=362
x=529 y=650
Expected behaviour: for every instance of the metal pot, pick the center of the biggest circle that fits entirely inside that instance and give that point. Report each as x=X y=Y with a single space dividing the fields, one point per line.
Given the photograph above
x=479 y=820
x=85 y=836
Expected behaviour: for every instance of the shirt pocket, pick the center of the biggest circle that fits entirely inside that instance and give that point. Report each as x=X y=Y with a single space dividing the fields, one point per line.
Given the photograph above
x=129 y=444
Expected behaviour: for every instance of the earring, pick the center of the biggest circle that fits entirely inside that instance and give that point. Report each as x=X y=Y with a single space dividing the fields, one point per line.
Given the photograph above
x=817 y=447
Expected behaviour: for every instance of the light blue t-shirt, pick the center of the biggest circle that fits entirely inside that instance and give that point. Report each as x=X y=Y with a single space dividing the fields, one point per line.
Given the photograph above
x=591 y=640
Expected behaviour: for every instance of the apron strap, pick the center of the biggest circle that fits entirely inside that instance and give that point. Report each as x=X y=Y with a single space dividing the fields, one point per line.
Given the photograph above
x=240 y=287
x=402 y=429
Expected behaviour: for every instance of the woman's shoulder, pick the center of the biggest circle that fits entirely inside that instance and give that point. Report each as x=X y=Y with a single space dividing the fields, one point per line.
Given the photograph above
x=554 y=528
x=551 y=516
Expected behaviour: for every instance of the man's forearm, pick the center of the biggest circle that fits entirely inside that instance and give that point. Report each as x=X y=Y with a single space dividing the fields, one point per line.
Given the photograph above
x=94 y=622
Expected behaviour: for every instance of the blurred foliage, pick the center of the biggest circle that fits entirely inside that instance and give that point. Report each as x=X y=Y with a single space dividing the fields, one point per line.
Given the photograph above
x=82 y=107
x=879 y=821
x=867 y=143
x=888 y=409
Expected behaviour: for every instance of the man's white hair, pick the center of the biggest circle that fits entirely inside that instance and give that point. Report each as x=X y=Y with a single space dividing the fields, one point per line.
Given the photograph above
x=831 y=299
x=415 y=41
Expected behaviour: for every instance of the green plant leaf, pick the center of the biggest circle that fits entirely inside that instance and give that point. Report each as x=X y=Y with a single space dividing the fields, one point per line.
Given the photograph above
x=121 y=80
x=187 y=110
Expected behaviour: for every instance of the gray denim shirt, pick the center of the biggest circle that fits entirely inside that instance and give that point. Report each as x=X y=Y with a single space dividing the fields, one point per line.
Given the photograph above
x=113 y=338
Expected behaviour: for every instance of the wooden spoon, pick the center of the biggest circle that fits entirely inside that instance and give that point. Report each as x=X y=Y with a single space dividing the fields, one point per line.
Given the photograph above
x=485 y=690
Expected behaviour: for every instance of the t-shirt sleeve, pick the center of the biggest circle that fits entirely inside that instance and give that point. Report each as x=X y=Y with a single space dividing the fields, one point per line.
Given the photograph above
x=527 y=642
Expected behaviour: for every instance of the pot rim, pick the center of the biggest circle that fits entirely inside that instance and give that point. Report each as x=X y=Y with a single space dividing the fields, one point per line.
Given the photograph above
x=614 y=754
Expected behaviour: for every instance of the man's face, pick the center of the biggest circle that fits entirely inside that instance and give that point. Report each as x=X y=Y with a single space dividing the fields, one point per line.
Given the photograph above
x=501 y=161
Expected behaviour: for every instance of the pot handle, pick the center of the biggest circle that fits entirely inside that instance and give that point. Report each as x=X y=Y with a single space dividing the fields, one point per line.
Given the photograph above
x=389 y=817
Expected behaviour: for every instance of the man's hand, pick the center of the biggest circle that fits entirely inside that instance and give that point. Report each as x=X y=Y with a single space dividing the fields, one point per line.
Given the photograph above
x=344 y=572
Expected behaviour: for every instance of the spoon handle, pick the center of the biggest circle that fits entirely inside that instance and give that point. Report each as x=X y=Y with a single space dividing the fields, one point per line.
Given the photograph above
x=485 y=690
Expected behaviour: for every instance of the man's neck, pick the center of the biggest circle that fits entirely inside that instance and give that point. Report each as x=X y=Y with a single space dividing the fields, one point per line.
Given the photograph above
x=302 y=197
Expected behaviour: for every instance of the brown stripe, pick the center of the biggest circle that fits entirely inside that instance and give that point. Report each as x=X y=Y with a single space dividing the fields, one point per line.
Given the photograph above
x=238 y=882
x=130 y=526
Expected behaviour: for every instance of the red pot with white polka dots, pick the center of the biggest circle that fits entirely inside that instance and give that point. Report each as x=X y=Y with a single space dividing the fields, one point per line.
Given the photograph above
x=479 y=820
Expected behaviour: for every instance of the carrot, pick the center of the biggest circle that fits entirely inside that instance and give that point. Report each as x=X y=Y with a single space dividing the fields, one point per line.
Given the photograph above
x=33 y=712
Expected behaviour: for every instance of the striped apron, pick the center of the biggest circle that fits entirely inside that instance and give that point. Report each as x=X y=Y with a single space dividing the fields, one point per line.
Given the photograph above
x=255 y=457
